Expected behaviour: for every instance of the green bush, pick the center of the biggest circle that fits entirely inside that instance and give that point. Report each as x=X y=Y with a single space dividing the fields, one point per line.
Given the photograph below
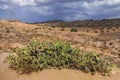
x=56 y=54
x=73 y=30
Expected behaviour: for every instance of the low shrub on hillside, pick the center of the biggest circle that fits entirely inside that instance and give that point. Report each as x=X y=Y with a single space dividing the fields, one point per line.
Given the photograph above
x=96 y=31
x=73 y=30
x=7 y=30
x=56 y=54
x=107 y=30
x=87 y=30
x=113 y=29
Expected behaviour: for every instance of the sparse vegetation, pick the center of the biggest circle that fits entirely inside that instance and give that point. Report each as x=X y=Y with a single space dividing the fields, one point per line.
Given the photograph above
x=73 y=30
x=56 y=54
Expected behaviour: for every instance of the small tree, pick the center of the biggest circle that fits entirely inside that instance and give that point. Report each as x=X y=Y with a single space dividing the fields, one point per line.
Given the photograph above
x=73 y=30
x=62 y=25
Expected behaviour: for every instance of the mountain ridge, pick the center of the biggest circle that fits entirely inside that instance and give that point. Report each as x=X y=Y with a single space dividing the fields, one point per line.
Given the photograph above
x=115 y=22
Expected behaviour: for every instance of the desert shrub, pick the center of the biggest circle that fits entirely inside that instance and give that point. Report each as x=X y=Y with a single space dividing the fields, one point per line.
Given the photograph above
x=107 y=30
x=113 y=29
x=119 y=55
x=73 y=30
x=53 y=26
x=87 y=30
x=102 y=31
x=56 y=54
x=102 y=28
x=109 y=27
x=96 y=32
x=7 y=30
x=50 y=28
x=117 y=27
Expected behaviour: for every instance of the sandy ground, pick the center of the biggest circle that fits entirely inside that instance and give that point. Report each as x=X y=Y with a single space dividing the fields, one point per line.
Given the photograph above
x=13 y=36
x=50 y=74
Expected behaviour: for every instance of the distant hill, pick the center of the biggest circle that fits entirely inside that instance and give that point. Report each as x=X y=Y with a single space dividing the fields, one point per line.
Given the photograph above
x=95 y=23
x=85 y=23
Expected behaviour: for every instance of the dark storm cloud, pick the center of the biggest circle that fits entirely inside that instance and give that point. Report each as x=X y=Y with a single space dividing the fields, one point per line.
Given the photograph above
x=41 y=10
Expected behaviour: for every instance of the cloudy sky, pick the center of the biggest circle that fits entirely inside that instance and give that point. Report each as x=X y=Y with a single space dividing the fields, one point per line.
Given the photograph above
x=68 y=10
